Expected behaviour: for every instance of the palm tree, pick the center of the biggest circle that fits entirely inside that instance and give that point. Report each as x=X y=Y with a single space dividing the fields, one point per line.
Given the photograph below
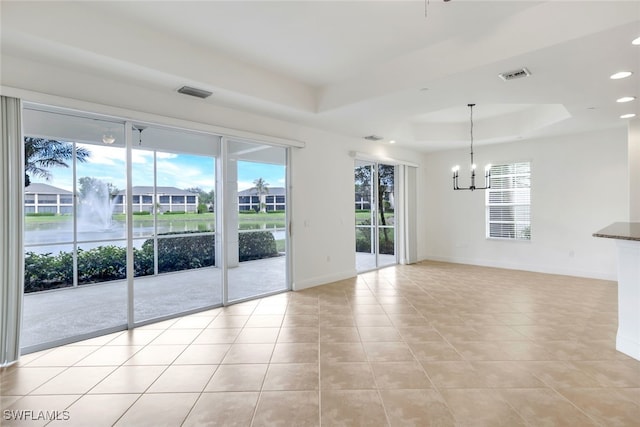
x=260 y=187
x=40 y=154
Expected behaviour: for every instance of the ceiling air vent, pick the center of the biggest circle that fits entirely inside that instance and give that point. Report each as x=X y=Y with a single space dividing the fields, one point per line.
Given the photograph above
x=515 y=74
x=373 y=138
x=198 y=93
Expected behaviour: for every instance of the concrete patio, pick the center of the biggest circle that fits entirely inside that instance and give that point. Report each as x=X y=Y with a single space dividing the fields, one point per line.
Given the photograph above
x=65 y=313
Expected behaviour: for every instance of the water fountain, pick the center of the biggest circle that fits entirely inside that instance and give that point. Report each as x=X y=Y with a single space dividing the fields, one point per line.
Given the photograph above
x=95 y=209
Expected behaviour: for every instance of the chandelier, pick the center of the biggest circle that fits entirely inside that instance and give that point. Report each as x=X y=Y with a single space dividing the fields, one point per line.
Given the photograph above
x=487 y=169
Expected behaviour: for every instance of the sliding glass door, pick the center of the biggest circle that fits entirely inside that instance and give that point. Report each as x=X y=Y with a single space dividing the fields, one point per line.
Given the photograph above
x=174 y=226
x=256 y=220
x=129 y=223
x=75 y=241
x=375 y=221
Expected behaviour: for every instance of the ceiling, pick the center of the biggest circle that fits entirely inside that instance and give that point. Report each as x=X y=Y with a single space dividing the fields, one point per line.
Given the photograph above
x=359 y=67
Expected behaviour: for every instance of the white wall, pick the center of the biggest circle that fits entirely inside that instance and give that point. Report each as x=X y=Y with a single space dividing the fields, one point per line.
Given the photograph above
x=323 y=242
x=579 y=185
x=634 y=170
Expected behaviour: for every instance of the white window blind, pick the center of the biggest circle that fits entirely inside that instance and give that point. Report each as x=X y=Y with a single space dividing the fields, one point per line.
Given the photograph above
x=509 y=202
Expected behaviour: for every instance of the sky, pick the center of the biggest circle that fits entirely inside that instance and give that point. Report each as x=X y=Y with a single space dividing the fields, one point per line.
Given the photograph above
x=175 y=170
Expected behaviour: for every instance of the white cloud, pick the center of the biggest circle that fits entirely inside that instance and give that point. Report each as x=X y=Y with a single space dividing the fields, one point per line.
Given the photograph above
x=105 y=155
x=245 y=185
x=141 y=157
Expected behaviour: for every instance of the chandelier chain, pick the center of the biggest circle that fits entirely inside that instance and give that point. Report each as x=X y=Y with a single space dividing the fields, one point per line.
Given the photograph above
x=471 y=114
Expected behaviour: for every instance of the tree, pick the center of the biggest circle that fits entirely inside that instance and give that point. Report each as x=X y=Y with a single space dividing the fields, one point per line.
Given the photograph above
x=205 y=198
x=261 y=188
x=40 y=154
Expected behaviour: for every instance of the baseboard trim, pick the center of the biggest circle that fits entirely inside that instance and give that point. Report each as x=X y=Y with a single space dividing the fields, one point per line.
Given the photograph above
x=526 y=267
x=299 y=285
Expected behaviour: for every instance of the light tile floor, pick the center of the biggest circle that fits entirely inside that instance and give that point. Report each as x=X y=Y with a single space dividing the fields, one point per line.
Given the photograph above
x=427 y=344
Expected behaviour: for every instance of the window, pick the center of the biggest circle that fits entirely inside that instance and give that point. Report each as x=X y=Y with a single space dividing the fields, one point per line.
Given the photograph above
x=49 y=199
x=509 y=202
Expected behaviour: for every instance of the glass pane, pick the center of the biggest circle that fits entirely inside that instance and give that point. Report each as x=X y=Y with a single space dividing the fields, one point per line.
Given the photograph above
x=47 y=268
x=78 y=222
x=374 y=215
x=186 y=252
x=143 y=257
x=142 y=207
x=364 y=216
x=386 y=245
x=174 y=223
x=256 y=226
x=102 y=262
x=101 y=179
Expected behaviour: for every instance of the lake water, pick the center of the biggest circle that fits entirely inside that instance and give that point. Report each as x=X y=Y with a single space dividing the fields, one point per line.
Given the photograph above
x=54 y=237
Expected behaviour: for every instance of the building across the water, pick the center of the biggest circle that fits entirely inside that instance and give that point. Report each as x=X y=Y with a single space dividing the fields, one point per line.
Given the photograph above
x=274 y=199
x=45 y=198
x=167 y=199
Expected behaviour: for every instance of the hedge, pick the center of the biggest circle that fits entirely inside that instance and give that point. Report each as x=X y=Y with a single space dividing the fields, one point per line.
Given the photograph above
x=256 y=245
x=183 y=253
x=105 y=263
x=363 y=241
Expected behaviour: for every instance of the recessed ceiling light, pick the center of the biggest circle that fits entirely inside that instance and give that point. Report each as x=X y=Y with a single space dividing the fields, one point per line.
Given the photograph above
x=636 y=41
x=627 y=116
x=392 y=142
x=621 y=75
x=626 y=99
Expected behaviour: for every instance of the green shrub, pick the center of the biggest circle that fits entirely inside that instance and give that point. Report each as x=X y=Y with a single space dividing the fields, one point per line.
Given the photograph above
x=40 y=214
x=106 y=263
x=173 y=213
x=102 y=264
x=47 y=271
x=142 y=213
x=385 y=246
x=183 y=253
x=256 y=245
x=363 y=240
x=143 y=261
